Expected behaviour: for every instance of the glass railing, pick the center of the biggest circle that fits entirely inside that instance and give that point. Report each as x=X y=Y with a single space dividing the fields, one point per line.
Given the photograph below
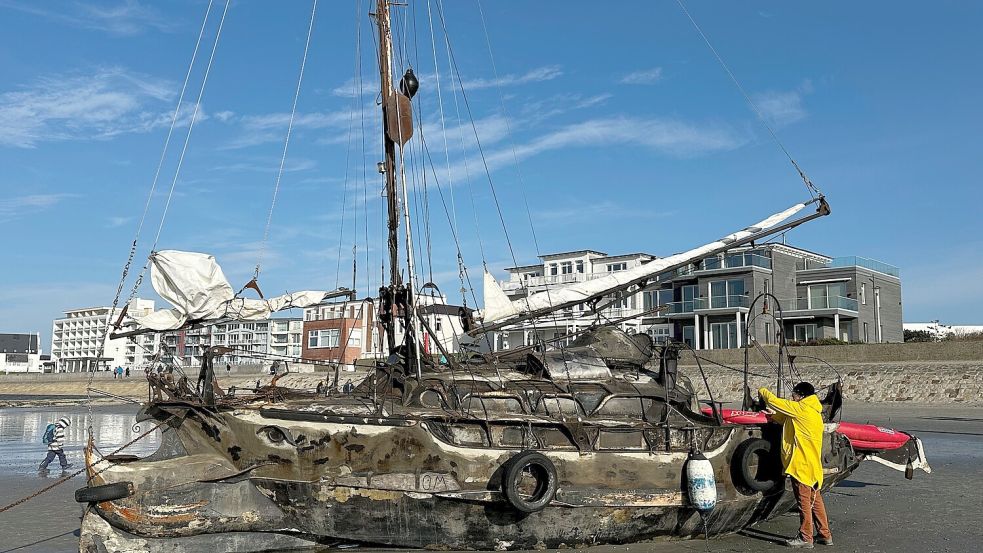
x=849 y=261
x=872 y=264
x=736 y=260
x=687 y=306
x=831 y=302
x=724 y=302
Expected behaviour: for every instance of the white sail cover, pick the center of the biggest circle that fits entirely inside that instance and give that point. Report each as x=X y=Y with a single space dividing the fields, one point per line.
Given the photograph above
x=197 y=288
x=496 y=309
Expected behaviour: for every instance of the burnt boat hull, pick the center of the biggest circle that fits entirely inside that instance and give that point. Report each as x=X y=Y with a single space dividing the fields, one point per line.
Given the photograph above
x=401 y=485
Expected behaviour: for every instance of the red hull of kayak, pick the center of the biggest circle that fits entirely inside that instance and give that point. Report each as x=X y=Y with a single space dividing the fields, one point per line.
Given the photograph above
x=863 y=437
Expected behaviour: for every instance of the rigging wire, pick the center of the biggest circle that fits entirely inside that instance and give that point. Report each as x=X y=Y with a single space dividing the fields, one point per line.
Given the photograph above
x=515 y=160
x=474 y=128
x=286 y=143
x=187 y=137
x=177 y=110
x=813 y=190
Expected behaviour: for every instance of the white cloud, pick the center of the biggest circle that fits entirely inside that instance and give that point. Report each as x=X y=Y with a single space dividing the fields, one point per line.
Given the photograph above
x=783 y=107
x=109 y=102
x=272 y=127
x=225 y=116
x=125 y=19
x=115 y=222
x=11 y=208
x=643 y=76
x=539 y=74
x=665 y=136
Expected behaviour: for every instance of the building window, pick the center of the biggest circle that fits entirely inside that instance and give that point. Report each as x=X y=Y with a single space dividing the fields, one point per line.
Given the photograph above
x=826 y=296
x=355 y=338
x=325 y=338
x=689 y=295
x=727 y=293
x=863 y=294
x=689 y=335
x=614 y=267
x=768 y=332
x=437 y=324
x=805 y=333
x=580 y=266
x=866 y=336
x=553 y=269
x=724 y=335
x=566 y=268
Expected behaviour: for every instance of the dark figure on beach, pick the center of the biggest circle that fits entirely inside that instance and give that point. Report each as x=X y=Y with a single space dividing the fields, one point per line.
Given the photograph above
x=127 y=372
x=228 y=368
x=54 y=436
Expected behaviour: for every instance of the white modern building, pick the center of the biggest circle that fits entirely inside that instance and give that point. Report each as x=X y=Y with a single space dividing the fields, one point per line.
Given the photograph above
x=20 y=353
x=709 y=303
x=251 y=341
x=559 y=269
x=80 y=343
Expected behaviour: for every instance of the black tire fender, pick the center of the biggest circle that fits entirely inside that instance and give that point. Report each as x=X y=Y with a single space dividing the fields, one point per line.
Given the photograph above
x=106 y=492
x=755 y=467
x=524 y=464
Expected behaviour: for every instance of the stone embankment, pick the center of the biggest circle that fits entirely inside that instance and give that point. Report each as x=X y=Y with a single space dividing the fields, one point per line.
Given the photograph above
x=72 y=388
x=945 y=372
x=939 y=373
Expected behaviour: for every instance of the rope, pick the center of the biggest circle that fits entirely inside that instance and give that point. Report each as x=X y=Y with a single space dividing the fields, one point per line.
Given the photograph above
x=191 y=125
x=474 y=128
x=522 y=185
x=143 y=217
x=286 y=143
x=81 y=470
x=813 y=190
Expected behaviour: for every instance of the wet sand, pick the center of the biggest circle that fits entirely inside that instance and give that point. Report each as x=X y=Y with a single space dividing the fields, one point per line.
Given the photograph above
x=874 y=511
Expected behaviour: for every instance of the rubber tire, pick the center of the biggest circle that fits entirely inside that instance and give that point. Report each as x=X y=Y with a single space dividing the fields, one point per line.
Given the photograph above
x=747 y=478
x=106 y=492
x=545 y=490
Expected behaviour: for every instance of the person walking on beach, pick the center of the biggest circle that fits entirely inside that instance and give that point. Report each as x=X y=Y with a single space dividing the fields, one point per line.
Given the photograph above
x=54 y=437
x=802 y=445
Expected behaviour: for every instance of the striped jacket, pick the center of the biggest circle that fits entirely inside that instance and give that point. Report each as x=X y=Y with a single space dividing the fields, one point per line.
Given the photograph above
x=58 y=442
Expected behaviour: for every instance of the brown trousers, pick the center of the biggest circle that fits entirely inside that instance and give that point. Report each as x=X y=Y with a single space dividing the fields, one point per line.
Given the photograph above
x=811 y=507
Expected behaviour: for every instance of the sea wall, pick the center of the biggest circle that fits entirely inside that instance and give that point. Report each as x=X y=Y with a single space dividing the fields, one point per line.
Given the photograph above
x=948 y=372
x=944 y=372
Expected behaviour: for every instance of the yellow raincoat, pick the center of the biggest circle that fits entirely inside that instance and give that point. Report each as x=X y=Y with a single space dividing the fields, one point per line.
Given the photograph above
x=802 y=436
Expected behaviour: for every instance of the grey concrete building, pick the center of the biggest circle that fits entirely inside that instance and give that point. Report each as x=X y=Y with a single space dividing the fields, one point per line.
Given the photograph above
x=853 y=299
x=708 y=304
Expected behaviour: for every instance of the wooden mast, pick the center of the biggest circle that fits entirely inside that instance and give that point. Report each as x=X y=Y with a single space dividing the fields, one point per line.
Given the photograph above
x=389 y=163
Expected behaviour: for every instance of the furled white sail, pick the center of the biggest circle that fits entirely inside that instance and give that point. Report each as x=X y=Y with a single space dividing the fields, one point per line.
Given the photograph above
x=497 y=310
x=197 y=288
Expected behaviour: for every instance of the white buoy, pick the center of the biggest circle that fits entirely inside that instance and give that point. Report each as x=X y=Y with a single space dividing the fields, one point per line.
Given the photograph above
x=700 y=483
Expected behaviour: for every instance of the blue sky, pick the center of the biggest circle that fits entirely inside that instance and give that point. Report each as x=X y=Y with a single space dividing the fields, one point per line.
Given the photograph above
x=629 y=137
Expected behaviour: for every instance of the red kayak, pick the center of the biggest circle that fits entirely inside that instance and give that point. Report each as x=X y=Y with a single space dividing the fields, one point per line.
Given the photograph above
x=863 y=437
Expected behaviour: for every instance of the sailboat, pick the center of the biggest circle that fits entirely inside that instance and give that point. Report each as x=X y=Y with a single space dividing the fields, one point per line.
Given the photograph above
x=597 y=440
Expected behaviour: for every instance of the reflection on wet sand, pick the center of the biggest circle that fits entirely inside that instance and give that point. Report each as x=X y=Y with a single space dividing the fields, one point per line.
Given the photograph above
x=21 y=430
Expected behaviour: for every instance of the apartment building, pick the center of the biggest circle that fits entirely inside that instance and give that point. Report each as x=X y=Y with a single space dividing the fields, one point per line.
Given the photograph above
x=20 y=353
x=559 y=269
x=342 y=332
x=252 y=342
x=707 y=304
x=76 y=340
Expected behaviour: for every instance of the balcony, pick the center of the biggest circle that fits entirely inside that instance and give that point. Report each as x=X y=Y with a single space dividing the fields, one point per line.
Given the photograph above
x=831 y=302
x=549 y=280
x=735 y=261
x=728 y=302
x=849 y=261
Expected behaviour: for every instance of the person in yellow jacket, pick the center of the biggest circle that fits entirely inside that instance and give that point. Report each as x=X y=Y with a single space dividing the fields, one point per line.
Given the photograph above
x=802 y=446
